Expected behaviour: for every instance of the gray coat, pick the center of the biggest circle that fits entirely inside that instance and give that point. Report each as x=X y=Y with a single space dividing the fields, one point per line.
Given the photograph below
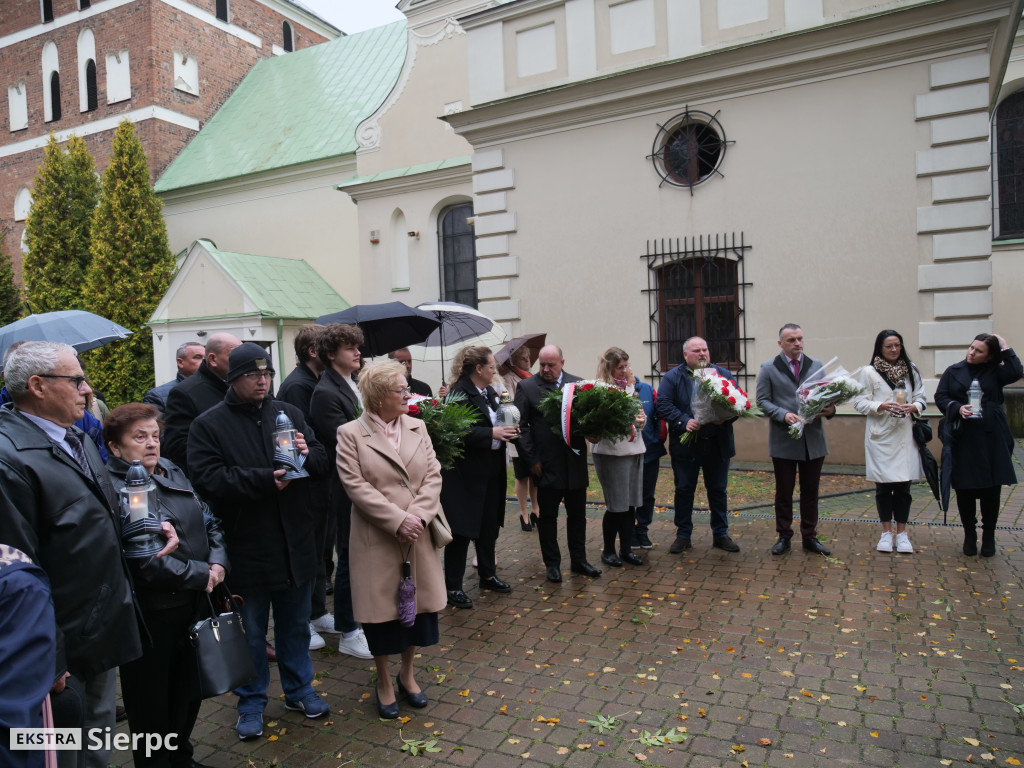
x=776 y=394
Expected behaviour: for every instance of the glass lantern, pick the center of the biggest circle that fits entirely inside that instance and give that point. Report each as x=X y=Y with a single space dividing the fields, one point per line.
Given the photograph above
x=507 y=414
x=141 y=533
x=287 y=455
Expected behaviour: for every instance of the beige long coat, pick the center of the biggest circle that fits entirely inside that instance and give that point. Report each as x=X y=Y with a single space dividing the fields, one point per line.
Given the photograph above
x=385 y=486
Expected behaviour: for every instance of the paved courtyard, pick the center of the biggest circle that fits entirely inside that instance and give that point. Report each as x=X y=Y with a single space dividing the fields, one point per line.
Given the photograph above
x=706 y=659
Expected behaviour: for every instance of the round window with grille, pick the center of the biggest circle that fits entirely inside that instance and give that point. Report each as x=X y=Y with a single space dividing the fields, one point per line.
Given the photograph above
x=689 y=148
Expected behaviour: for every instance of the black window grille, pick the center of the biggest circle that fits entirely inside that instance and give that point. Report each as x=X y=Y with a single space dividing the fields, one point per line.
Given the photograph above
x=695 y=287
x=91 y=97
x=288 y=41
x=55 y=96
x=457 y=246
x=47 y=10
x=1009 y=148
x=222 y=10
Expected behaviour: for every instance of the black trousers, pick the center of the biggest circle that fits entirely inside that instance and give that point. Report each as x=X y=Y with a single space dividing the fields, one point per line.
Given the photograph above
x=575 y=500
x=158 y=688
x=967 y=503
x=785 y=482
x=893 y=501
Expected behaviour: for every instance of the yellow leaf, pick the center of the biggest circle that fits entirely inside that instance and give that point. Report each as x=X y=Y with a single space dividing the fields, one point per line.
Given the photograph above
x=702 y=712
x=640 y=756
x=513 y=741
x=861 y=688
x=874 y=734
x=271 y=738
x=746 y=674
x=549 y=720
x=784 y=673
x=972 y=742
x=562 y=750
x=841 y=723
x=1012 y=761
x=525 y=755
x=1006 y=686
x=808 y=694
x=764 y=742
x=945 y=762
x=464 y=693
x=582 y=746
x=738 y=748
x=987 y=756
x=404 y=720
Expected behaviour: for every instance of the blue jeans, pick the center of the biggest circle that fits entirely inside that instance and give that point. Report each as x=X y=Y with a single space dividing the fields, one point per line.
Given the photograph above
x=645 y=512
x=291 y=639
x=716 y=480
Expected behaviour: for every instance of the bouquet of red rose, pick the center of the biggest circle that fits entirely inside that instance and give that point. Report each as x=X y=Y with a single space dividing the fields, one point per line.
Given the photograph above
x=827 y=385
x=718 y=399
x=448 y=421
x=595 y=409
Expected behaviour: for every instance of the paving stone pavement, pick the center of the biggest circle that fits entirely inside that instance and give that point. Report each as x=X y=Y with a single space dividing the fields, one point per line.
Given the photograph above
x=859 y=659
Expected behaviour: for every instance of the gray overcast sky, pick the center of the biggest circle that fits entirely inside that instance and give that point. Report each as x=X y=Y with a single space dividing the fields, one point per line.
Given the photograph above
x=355 y=15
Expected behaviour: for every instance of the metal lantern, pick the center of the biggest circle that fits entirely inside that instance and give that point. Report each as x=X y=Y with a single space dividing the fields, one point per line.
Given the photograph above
x=141 y=533
x=287 y=455
x=507 y=414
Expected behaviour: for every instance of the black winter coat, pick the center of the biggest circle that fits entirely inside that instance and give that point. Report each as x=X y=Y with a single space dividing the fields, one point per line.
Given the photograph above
x=464 y=486
x=333 y=405
x=269 y=533
x=982 y=448
x=167 y=582
x=195 y=395
x=68 y=524
x=297 y=388
x=541 y=442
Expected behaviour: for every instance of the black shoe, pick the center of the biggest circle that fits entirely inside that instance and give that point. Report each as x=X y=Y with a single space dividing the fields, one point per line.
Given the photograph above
x=630 y=558
x=988 y=545
x=527 y=527
x=585 y=569
x=813 y=545
x=495 y=585
x=781 y=546
x=329 y=590
x=459 y=599
x=642 y=541
x=971 y=546
x=679 y=545
x=610 y=558
x=418 y=700
x=386 y=711
x=554 y=574
x=726 y=543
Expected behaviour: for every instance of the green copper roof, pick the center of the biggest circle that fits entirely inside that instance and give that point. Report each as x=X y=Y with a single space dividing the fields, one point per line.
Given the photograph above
x=412 y=170
x=295 y=108
x=286 y=288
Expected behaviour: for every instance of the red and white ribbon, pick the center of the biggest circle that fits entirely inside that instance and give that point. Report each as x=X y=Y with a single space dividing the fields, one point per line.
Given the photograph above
x=567 y=393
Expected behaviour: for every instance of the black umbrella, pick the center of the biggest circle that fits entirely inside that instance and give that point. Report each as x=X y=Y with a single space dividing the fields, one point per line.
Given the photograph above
x=78 y=328
x=931 y=471
x=385 y=327
x=947 y=433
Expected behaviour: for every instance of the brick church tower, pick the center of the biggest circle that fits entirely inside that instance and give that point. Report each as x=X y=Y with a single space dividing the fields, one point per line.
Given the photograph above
x=82 y=66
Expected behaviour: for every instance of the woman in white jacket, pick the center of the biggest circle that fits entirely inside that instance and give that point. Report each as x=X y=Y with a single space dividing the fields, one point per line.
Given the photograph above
x=893 y=398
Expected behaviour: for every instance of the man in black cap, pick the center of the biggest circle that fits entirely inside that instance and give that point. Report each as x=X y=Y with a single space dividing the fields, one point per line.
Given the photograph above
x=268 y=527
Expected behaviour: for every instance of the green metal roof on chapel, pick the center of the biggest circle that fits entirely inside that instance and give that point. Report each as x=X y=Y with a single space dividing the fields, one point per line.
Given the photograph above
x=293 y=109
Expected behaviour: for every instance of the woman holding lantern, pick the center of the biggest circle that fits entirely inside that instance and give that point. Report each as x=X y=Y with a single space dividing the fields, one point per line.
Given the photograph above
x=158 y=688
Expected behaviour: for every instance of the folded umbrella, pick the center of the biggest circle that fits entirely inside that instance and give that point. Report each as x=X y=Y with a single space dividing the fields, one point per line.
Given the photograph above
x=386 y=327
x=78 y=328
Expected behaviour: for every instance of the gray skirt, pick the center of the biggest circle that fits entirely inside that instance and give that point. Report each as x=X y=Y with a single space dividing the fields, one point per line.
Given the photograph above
x=622 y=480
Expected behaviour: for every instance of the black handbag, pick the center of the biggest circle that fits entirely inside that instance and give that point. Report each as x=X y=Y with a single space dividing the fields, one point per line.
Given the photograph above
x=222 y=660
x=922 y=431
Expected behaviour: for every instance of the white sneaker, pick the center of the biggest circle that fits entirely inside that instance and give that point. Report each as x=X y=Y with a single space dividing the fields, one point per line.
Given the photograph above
x=355 y=645
x=315 y=641
x=885 y=542
x=903 y=544
x=324 y=624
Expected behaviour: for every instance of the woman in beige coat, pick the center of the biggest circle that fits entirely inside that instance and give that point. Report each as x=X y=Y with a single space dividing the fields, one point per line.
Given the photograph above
x=387 y=465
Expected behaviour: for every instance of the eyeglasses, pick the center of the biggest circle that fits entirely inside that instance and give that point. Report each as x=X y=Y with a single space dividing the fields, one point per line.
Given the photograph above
x=78 y=381
x=404 y=391
x=257 y=375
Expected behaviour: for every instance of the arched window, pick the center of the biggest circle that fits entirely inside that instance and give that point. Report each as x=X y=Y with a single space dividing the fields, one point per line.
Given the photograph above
x=1009 y=138
x=222 y=10
x=288 y=38
x=47 y=9
x=55 y=96
x=92 y=100
x=457 y=249
x=22 y=204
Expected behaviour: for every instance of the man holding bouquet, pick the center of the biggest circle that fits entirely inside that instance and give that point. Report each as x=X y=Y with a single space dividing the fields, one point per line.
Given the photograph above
x=777 y=385
x=709 y=447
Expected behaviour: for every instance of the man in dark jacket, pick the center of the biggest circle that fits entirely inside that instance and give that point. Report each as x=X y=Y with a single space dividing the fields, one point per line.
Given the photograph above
x=561 y=474
x=189 y=357
x=268 y=527
x=57 y=505
x=197 y=394
x=709 y=451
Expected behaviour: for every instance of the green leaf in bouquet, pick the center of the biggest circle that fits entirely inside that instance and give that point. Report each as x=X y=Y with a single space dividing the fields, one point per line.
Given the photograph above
x=598 y=411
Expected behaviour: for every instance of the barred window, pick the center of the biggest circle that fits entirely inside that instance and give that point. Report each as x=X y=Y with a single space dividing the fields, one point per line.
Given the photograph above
x=457 y=248
x=1009 y=140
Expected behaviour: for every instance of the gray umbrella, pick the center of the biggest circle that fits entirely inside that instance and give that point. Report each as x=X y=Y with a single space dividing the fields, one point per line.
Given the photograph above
x=82 y=330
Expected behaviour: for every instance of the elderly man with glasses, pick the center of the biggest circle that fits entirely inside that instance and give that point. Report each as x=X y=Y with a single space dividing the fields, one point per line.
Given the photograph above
x=57 y=505
x=268 y=526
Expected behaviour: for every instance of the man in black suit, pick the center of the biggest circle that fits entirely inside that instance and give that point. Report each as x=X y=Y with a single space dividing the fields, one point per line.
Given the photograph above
x=417 y=387
x=336 y=402
x=561 y=474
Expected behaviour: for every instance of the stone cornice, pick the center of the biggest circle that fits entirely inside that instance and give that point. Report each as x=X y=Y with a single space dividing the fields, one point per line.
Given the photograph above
x=443 y=177
x=918 y=33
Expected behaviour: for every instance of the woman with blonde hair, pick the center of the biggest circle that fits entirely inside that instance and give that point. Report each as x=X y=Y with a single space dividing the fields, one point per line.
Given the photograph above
x=387 y=465
x=619 y=467
x=511 y=373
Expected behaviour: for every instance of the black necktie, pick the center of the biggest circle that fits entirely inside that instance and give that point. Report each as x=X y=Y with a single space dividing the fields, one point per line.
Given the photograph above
x=78 y=451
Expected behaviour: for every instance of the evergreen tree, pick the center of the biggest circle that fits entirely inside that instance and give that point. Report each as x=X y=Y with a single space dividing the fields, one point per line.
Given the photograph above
x=130 y=270
x=64 y=197
x=10 y=296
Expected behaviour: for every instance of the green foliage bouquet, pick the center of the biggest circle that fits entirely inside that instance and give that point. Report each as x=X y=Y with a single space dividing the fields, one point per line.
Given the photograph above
x=599 y=411
x=448 y=423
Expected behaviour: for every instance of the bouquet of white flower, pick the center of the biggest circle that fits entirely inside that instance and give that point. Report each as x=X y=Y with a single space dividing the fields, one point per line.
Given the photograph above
x=827 y=385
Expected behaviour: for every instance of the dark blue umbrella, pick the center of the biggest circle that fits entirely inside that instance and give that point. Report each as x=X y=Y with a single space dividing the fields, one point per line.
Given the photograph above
x=82 y=330
x=386 y=327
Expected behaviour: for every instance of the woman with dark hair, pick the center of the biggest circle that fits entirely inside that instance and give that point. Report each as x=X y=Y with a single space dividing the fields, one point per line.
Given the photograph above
x=473 y=491
x=982 y=443
x=158 y=689
x=620 y=467
x=893 y=397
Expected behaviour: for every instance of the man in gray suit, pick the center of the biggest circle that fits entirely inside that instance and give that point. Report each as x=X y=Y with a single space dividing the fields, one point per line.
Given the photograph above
x=777 y=384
